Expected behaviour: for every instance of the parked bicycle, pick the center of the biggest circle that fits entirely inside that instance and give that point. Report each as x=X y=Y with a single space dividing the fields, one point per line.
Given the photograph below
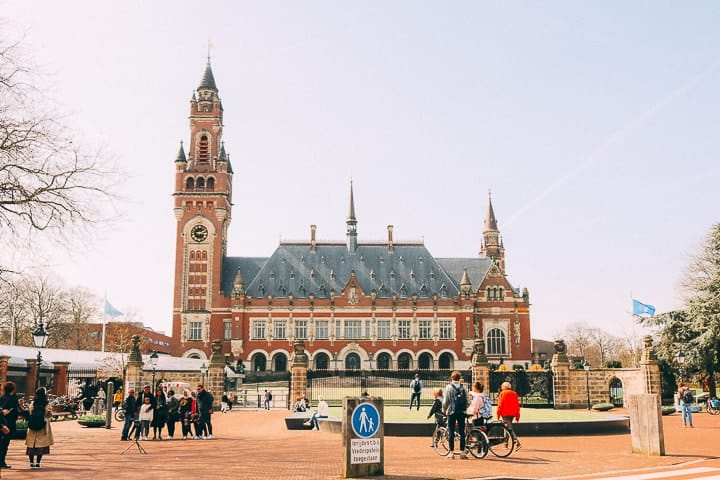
x=120 y=414
x=476 y=442
x=712 y=406
x=500 y=440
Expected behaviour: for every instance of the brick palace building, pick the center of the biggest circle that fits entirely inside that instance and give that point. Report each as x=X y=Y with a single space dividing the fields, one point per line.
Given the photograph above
x=382 y=305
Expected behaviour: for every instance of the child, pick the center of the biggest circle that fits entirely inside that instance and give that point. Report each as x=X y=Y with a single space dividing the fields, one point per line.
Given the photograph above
x=436 y=409
x=146 y=416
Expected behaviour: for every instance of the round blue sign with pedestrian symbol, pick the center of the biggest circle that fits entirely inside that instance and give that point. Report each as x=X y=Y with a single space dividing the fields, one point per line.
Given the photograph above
x=365 y=420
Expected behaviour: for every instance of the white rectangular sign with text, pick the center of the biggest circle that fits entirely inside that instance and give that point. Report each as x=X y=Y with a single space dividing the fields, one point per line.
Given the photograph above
x=364 y=450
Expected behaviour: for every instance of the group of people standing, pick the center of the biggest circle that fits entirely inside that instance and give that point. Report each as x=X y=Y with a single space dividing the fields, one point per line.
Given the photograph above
x=158 y=410
x=39 y=436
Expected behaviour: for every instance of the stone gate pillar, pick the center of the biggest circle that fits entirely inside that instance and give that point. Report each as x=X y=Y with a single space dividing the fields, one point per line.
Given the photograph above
x=298 y=372
x=561 y=376
x=215 y=383
x=480 y=366
x=134 y=377
x=650 y=368
x=60 y=378
x=33 y=371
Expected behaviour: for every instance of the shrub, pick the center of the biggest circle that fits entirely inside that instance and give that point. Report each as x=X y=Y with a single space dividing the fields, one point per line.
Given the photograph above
x=667 y=409
x=92 y=418
x=613 y=364
x=603 y=407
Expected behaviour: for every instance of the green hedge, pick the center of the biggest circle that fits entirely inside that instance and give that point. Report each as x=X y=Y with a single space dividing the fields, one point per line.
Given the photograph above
x=603 y=407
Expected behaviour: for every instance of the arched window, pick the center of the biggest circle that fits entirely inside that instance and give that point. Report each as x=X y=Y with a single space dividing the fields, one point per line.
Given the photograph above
x=496 y=342
x=210 y=185
x=279 y=362
x=383 y=361
x=445 y=362
x=616 y=392
x=204 y=151
x=258 y=362
x=321 y=361
x=200 y=184
x=404 y=361
x=352 y=361
x=190 y=184
x=425 y=361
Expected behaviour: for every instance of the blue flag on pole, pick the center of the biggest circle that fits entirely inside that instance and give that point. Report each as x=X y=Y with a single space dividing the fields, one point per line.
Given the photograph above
x=640 y=308
x=111 y=311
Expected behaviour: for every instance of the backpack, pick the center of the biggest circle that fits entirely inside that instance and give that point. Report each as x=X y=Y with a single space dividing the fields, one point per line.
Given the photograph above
x=269 y=396
x=486 y=409
x=36 y=420
x=459 y=399
x=417 y=386
x=687 y=397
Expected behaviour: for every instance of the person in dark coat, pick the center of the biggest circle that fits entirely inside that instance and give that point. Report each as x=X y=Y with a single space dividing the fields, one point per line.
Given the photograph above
x=10 y=408
x=131 y=415
x=160 y=414
x=205 y=408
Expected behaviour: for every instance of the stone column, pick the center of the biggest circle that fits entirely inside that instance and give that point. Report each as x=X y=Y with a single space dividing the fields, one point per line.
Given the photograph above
x=60 y=378
x=298 y=372
x=4 y=359
x=560 y=366
x=480 y=366
x=215 y=383
x=134 y=376
x=33 y=370
x=650 y=368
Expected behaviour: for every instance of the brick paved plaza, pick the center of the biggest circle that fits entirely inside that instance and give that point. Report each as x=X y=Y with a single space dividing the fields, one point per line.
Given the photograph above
x=253 y=444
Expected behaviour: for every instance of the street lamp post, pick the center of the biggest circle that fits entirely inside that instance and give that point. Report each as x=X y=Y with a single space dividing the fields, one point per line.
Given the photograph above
x=203 y=372
x=680 y=357
x=40 y=337
x=153 y=364
x=586 y=366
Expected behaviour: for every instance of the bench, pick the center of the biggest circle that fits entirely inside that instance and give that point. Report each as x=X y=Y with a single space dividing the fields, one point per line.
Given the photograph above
x=296 y=421
x=62 y=415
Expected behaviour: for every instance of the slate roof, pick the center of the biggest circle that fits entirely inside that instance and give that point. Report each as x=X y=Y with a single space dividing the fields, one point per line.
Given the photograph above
x=294 y=269
x=208 y=79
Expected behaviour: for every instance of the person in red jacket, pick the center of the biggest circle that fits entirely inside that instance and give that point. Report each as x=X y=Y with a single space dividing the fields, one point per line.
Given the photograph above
x=508 y=409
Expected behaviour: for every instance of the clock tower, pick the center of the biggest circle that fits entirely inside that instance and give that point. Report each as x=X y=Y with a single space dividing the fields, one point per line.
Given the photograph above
x=202 y=206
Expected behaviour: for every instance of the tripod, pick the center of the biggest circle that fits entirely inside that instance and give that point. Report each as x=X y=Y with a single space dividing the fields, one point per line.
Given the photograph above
x=135 y=441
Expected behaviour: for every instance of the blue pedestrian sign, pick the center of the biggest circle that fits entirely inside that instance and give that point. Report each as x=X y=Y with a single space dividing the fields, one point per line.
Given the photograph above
x=365 y=420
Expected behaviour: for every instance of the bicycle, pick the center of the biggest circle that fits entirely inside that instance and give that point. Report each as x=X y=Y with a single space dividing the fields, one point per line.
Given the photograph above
x=476 y=442
x=120 y=414
x=712 y=406
x=500 y=441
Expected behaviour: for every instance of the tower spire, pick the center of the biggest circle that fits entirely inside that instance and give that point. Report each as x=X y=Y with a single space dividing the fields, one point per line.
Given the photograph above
x=351 y=223
x=490 y=221
x=491 y=246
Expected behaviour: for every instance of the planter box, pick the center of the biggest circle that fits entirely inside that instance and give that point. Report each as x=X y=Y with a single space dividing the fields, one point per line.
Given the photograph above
x=91 y=423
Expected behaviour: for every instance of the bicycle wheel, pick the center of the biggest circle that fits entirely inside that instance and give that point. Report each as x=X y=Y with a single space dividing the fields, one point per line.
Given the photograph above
x=476 y=443
x=500 y=441
x=440 y=441
x=120 y=415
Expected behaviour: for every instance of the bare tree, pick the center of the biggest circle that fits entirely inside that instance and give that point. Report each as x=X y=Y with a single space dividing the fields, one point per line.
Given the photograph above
x=82 y=308
x=45 y=303
x=14 y=317
x=47 y=182
x=579 y=337
x=605 y=344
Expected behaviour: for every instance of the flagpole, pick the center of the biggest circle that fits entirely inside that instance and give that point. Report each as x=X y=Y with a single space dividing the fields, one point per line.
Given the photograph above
x=102 y=346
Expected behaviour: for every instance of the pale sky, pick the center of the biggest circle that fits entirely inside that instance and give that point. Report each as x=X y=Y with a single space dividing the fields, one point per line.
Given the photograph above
x=595 y=125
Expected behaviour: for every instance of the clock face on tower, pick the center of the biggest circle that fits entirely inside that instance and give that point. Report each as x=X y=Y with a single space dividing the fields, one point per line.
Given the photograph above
x=199 y=233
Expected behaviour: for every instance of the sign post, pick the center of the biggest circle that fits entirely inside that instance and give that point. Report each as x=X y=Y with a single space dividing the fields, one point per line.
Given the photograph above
x=363 y=437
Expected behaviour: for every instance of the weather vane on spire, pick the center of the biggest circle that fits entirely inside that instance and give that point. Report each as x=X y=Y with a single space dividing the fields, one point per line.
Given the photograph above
x=210 y=45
